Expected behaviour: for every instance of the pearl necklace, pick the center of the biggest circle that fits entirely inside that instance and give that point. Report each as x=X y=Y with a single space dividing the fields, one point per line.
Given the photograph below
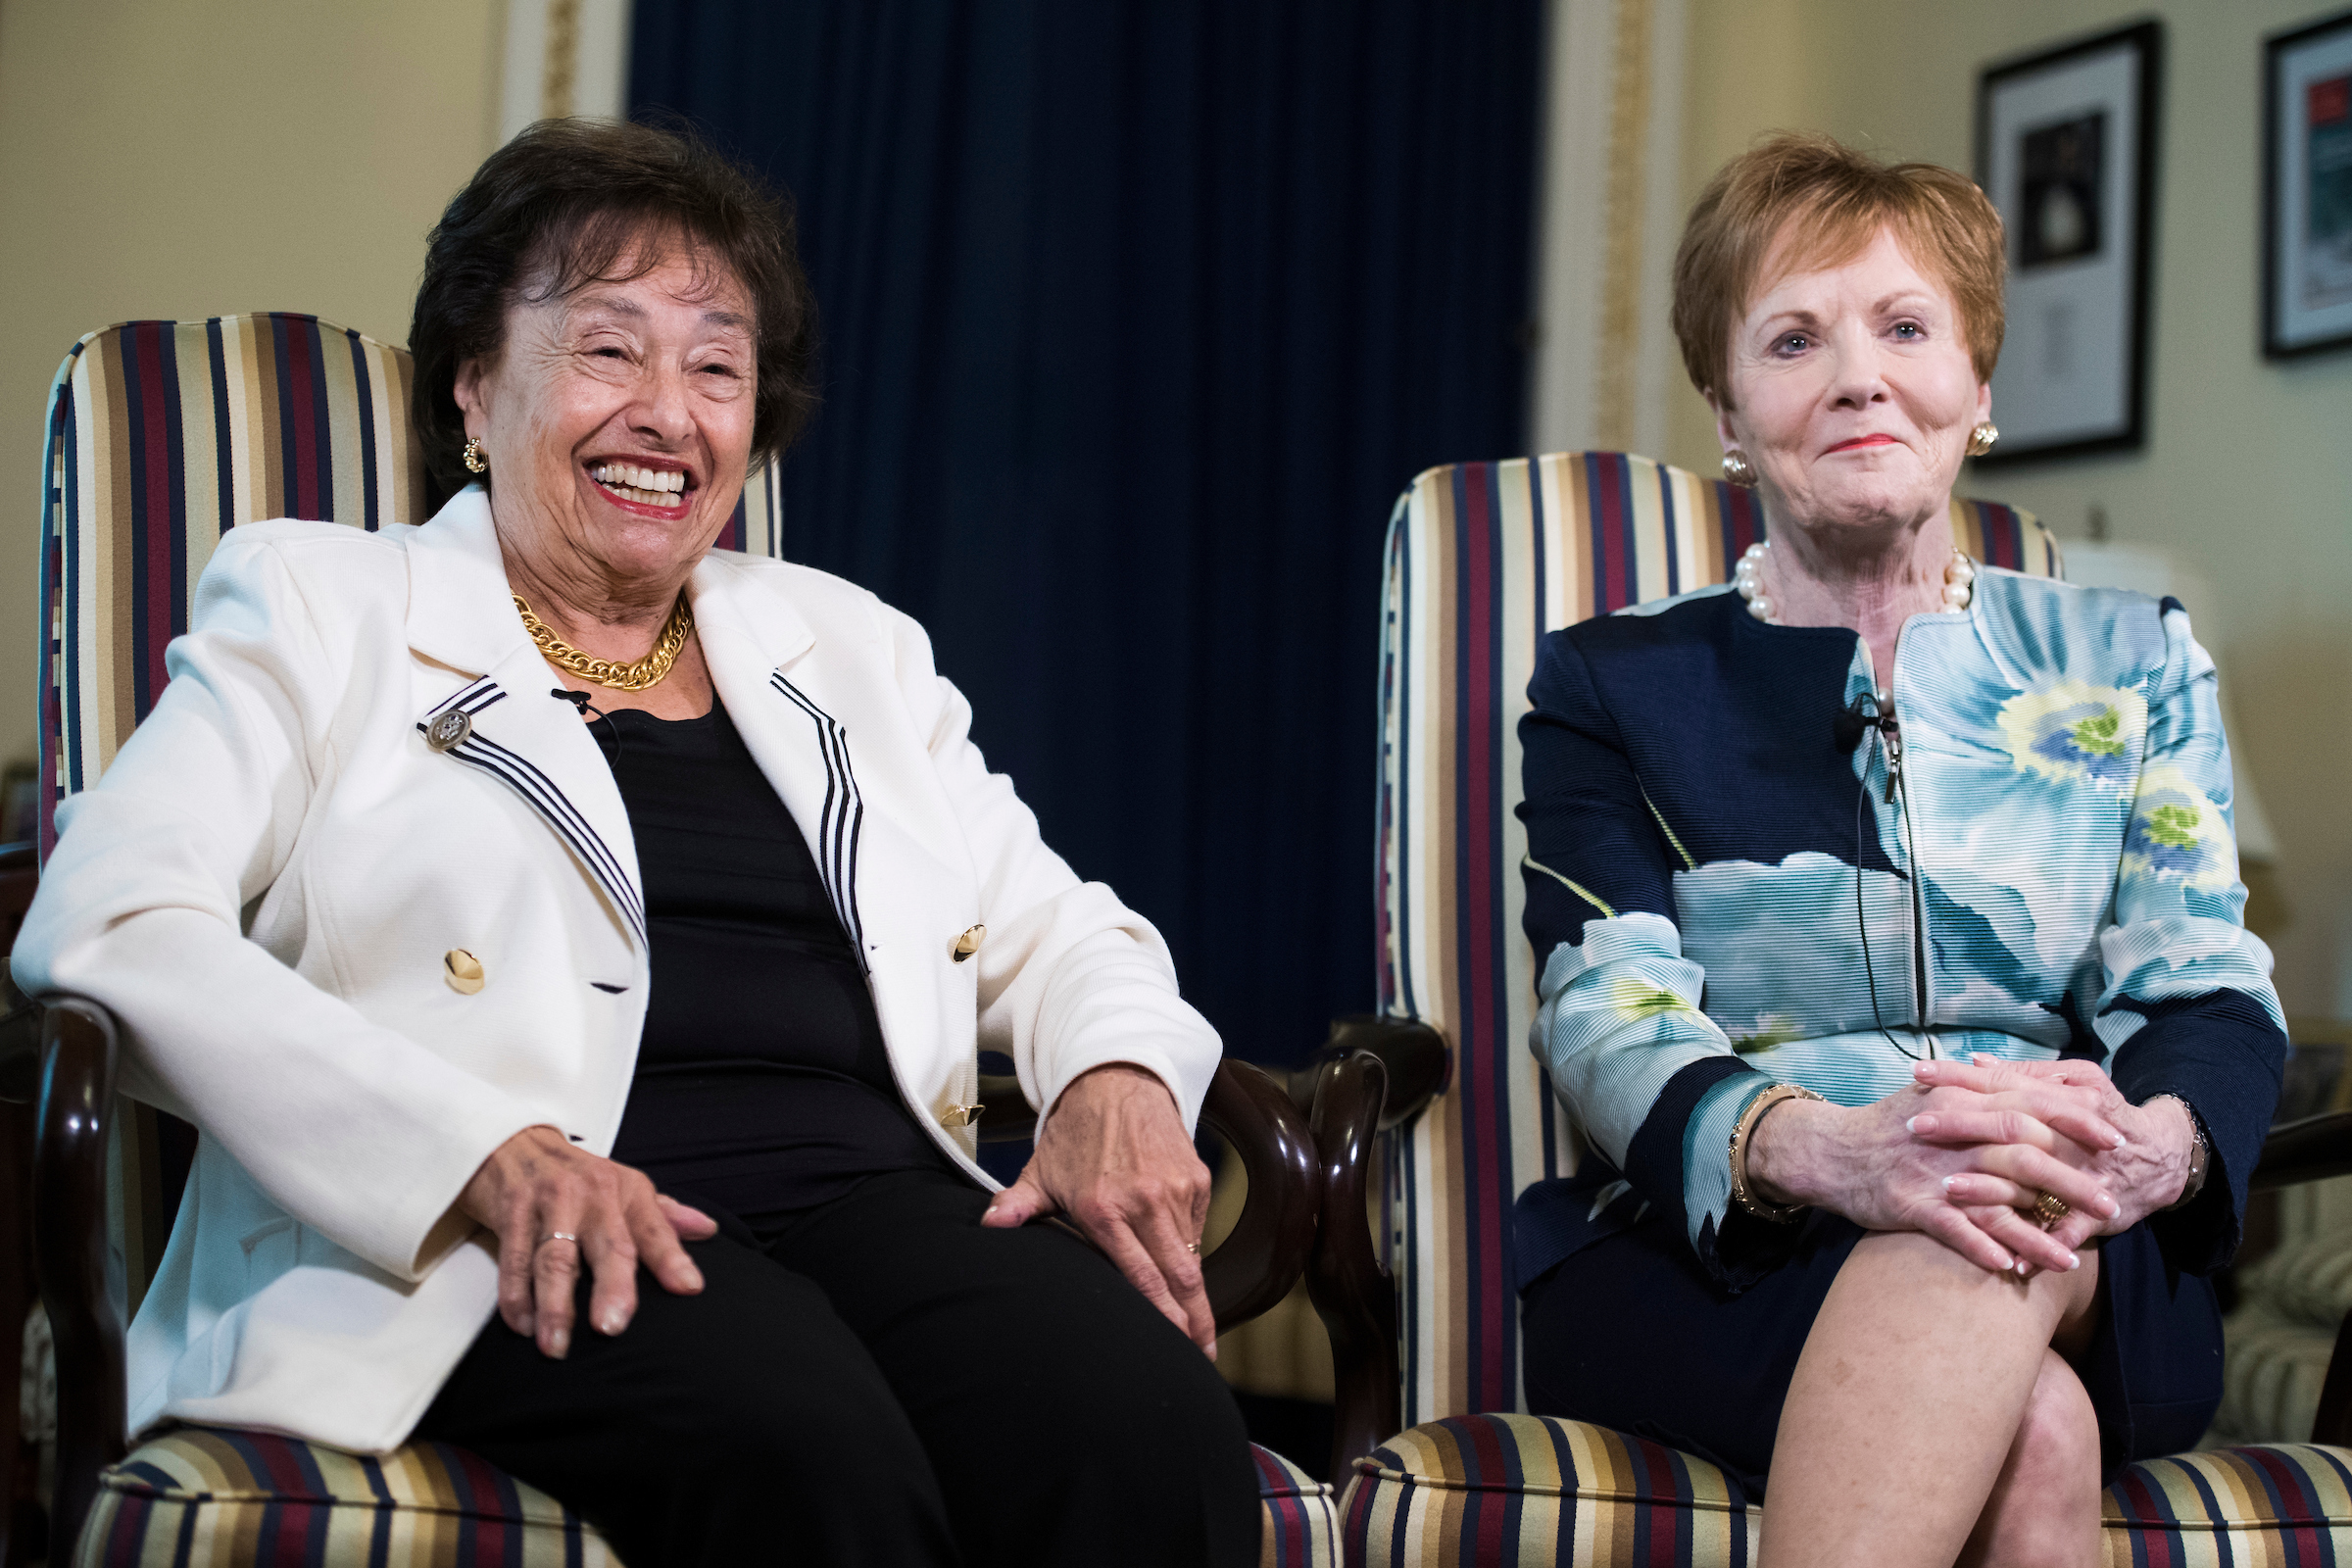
x=1959 y=582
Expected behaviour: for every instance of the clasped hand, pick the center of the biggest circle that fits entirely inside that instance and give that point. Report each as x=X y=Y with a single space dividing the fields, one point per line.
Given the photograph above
x=2019 y=1129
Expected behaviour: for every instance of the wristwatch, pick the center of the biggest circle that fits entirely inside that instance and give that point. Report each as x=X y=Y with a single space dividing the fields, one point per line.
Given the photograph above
x=2200 y=1154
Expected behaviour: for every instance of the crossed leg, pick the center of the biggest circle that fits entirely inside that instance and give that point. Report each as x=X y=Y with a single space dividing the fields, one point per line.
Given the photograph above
x=1933 y=1418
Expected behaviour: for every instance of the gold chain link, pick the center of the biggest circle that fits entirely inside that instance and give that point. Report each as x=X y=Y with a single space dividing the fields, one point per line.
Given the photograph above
x=647 y=671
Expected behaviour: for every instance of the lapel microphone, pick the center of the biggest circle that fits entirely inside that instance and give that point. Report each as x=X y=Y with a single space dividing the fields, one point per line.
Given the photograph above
x=1855 y=720
x=579 y=700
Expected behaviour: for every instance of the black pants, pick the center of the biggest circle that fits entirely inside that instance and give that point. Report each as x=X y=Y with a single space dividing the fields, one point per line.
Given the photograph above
x=882 y=1382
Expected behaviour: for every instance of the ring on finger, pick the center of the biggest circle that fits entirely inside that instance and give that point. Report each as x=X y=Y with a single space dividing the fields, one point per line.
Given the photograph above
x=559 y=1236
x=1193 y=1247
x=2050 y=1209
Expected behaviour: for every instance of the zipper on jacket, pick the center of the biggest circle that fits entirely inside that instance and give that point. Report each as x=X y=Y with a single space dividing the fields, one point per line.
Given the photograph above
x=1890 y=742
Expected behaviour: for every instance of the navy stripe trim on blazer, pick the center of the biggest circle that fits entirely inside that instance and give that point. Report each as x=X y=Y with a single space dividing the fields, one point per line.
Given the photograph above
x=540 y=793
x=843 y=818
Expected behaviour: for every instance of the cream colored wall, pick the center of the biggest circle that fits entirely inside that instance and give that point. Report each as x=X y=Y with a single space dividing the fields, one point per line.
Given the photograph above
x=2248 y=467
x=190 y=158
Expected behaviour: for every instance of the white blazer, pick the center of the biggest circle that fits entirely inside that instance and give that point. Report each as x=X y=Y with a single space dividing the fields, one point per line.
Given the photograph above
x=263 y=886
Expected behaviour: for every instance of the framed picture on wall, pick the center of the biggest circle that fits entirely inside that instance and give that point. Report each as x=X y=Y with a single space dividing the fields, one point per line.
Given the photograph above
x=2065 y=149
x=2307 y=189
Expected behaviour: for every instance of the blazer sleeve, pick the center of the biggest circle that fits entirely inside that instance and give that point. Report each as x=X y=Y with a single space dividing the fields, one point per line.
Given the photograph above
x=1654 y=1084
x=2188 y=1008
x=1071 y=979
x=352 y=1128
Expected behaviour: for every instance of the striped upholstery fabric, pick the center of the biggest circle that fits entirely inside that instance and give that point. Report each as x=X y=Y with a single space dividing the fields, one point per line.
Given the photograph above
x=1301 y=1515
x=1517 y=1489
x=211 y=1497
x=162 y=436
x=2290 y=1504
x=204 y=1496
x=1483 y=559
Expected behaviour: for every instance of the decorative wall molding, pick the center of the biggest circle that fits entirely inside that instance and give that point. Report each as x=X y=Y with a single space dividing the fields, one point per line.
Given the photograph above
x=564 y=57
x=1611 y=214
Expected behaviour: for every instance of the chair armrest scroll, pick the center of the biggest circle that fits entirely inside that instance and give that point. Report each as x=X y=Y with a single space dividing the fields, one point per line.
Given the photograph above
x=78 y=1055
x=1411 y=1053
x=2306 y=1149
x=1270 y=1243
x=1353 y=1294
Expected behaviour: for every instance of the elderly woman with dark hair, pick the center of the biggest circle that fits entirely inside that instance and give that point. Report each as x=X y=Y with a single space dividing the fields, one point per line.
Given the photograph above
x=574 y=944
x=1890 y=954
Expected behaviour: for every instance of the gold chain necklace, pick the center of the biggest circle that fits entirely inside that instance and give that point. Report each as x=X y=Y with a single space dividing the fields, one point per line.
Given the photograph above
x=647 y=671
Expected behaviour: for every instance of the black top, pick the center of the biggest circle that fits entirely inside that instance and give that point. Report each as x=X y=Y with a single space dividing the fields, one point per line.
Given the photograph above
x=762 y=1080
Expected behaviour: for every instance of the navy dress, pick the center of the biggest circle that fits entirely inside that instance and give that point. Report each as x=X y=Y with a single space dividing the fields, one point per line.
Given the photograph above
x=1732 y=883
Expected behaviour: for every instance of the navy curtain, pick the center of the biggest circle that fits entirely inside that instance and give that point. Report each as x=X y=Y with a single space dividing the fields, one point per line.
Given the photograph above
x=1138 y=315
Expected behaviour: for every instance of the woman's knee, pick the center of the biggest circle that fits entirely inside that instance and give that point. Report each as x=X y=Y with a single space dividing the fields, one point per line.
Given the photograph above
x=2057 y=1448
x=1162 y=1394
x=2044 y=1511
x=760 y=1373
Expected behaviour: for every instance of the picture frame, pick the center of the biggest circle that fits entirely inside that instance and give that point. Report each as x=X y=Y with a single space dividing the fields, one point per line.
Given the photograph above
x=2307 y=189
x=2067 y=146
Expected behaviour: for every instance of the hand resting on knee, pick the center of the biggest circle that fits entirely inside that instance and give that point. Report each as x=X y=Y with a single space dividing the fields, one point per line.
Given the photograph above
x=1112 y=1154
x=552 y=1205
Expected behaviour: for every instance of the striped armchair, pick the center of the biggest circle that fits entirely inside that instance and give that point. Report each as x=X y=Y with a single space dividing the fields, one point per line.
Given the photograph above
x=162 y=436
x=1482 y=559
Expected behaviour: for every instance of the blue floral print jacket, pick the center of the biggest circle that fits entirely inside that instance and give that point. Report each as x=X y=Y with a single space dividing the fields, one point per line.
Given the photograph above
x=1732 y=882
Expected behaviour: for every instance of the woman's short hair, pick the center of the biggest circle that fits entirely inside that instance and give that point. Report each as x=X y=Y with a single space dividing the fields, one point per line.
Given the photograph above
x=572 y=201
x=1798 y=200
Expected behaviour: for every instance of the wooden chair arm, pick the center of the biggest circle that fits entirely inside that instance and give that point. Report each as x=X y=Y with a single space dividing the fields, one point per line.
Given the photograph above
x=1261 y=1258
x=1411 y=1053
x=78 y=1055
x=1273 y=1240
x=2307 y=1149
x=19 y=1045
x=1352 y=1295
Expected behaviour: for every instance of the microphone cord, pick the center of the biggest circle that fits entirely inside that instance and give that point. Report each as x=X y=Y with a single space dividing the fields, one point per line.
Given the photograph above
x=579 y=700
x=1858 y=721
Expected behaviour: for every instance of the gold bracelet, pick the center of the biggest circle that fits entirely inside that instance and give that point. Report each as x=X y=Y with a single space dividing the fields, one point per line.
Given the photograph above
x=1746 y=1129
x=2200 y=1154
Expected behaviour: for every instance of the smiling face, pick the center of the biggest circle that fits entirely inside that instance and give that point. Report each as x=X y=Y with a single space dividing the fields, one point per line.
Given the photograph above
x=618 y=424
x=1852 y=393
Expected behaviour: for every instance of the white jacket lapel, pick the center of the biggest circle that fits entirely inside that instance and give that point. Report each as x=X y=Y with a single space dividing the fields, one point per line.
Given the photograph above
x=768 y=673
x=462 y=615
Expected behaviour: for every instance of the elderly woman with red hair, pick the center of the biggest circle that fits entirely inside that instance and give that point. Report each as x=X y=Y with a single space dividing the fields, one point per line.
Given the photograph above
x=1891 y=961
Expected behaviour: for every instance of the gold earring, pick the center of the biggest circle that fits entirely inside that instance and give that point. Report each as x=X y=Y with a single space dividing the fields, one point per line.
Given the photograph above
x=476 y=463
x=1982 y=438
x=1738 y=471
